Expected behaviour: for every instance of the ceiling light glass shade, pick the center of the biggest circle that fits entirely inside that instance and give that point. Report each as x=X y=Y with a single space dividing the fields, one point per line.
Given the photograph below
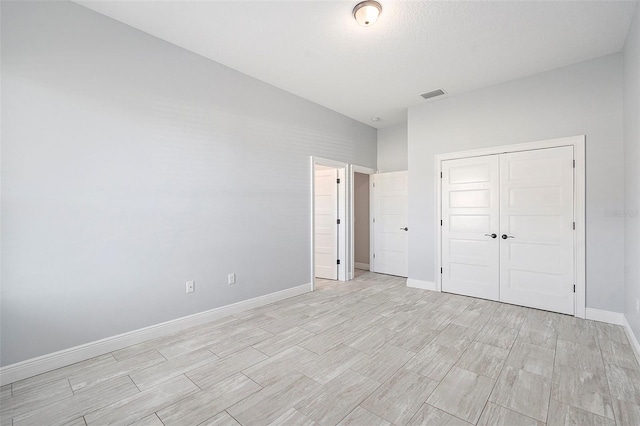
x=367 y=12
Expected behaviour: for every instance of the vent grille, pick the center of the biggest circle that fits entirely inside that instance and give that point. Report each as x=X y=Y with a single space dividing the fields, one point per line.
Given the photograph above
x=433 y=94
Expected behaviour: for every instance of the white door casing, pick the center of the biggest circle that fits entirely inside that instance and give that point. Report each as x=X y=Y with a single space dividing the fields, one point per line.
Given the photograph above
x=536 y=216
x=343 y=244
x=470 y=226
x=318 y=163
x=389 y=221
x=326 y=230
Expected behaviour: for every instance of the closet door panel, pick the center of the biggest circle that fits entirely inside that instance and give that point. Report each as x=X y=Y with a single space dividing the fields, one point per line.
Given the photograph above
x=469 y=217
x=536 y=229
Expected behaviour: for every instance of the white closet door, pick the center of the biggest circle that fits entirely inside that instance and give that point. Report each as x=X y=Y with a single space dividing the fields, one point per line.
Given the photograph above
x=536 y=222
x=390 y=240
x=470 y=225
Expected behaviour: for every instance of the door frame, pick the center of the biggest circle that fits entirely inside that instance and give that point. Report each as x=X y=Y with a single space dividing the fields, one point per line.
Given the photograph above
x=342 y=215
x=579 y=239
x=351 y=243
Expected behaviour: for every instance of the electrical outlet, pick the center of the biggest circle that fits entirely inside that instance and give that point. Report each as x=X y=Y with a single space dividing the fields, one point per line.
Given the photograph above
x=191 y=286
x=231 y=278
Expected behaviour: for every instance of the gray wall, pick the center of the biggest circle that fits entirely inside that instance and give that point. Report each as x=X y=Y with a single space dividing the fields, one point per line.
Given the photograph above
x=581 y=99
x=632 y=172
x=130 y=166
x=392 y=148
x=361 y=218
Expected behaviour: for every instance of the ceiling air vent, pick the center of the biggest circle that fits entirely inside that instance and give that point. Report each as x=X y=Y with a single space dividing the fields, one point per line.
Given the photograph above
x=433 y=94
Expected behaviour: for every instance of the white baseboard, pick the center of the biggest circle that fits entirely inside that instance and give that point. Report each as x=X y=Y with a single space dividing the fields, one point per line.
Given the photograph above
x=359 y=265
x=632 y=339
x=425 y=285
x=32 y=367
x=605 y=316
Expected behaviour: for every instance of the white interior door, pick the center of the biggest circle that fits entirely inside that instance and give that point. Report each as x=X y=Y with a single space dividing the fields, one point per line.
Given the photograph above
x=326 y=217
x=536 y=222
x=470 y=226
x=390 y=228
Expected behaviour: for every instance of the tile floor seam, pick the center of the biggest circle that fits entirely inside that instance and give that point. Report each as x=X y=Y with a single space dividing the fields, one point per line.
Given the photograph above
x=457 y=417
x=553 y=375
x=165 y=358
x=158 y=417
x=187 y=396
x=498 y=375
x=258 y=384
x=524 y=415
x=359 y=403
x=194 y=383
x=486 y=404
x=208 y=349
x=478 y=374
x=225 y=411
x=134 y=383
x=440 y=382
x=389 y=378
x=267 y=355
x=310 y=378
x=453 y=365
x=606 y=375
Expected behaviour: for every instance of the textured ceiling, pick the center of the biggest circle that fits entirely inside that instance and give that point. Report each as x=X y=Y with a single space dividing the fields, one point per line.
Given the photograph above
x=316 y=50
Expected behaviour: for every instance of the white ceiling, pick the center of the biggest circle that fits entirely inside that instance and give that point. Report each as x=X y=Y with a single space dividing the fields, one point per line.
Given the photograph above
x=316 y=50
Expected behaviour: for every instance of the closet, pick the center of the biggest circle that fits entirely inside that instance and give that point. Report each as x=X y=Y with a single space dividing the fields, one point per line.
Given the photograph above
x=507 y=229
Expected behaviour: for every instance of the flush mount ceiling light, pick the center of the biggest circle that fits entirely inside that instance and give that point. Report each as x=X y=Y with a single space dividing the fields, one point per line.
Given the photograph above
x=367 y=12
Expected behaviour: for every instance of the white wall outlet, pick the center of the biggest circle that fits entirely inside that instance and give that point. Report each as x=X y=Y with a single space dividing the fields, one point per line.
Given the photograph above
x=231 y=278
x=191 y=286
x=637 y=306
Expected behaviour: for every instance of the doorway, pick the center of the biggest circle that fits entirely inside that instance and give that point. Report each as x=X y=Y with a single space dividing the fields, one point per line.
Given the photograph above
x=361 y=219
x=328 y=213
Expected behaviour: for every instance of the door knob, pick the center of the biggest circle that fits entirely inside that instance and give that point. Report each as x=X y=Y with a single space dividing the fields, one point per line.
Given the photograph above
x=404 y=229
x=505 y=236
x=491 y=235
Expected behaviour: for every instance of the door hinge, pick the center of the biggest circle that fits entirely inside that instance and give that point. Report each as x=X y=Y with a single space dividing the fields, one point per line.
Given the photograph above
x=574 y=164
x=574 y=288
x=574 y=226
x=338 y=261
x=440 y=222
x=440 y=270
x=440 y=175
x=374 y=184
x=338 y=181
x=374 y=220
x=374 y=255
x=338 y=221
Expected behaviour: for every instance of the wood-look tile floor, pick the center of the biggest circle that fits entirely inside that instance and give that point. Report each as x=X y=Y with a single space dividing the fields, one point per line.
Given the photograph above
x=368 y=352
